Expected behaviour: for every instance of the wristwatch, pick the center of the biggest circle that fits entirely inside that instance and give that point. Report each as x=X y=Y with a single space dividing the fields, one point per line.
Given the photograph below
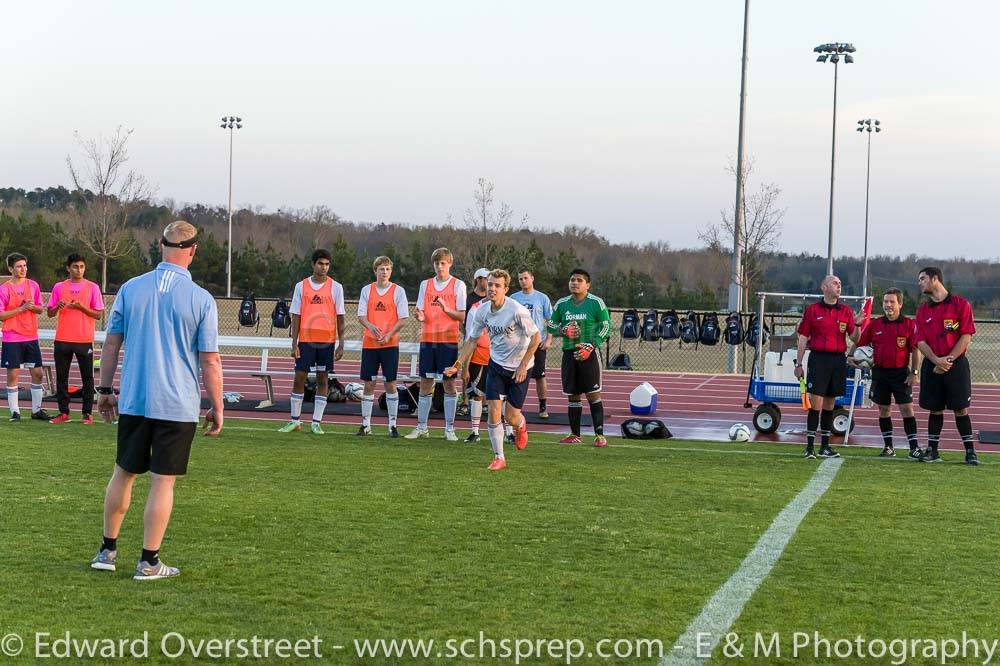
x=105 y=390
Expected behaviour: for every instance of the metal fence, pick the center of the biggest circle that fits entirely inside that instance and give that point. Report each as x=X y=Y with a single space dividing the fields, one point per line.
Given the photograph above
x=662 y=356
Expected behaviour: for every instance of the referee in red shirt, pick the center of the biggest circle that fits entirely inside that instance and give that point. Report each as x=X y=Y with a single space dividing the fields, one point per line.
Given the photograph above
x=944 y=330
x=893 y=339
x=823 y=328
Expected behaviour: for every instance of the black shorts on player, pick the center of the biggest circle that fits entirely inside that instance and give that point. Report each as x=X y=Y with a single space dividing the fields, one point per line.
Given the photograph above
x=889 y=384
x=580 y=377
x=15 y=354
x=538 y=371
x=500 y=381
x=385 y=357
x=826 y=374
x=951 y=390
x=315 y=357
x=477 y=379
x=435 y=357
x=154 y=445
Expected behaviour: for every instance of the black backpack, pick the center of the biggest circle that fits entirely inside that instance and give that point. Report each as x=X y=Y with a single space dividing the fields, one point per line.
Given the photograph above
x=621 y=361
x=248 y=311
x=651 y=326
x=630 y=325
x=734 y=328
x=669 y=325
x=710 y=332
x=281 y=317
x=408 y=396
x=753 y=331
x=690 y=328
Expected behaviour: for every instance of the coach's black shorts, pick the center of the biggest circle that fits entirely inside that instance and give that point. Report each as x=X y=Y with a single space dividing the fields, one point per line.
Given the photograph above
x=538 y=371
x=889 y=384
x=477 y=380
x=500 y=381
x=15 y=354
x=952 y=390
x=385 y=357
x=154 y=445
x=580 y=377
x=826 y=374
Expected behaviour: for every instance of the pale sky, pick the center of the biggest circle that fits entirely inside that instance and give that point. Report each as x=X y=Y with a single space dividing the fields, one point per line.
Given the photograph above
x=617 y=116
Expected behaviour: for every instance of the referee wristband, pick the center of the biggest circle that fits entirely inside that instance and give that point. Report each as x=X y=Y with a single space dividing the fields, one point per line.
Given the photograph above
x=105 y=390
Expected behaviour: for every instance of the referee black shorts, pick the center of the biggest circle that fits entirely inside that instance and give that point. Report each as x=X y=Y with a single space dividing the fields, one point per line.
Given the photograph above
x=154 y=445
x=889 y=384
x=826 y=374
x=951 y=390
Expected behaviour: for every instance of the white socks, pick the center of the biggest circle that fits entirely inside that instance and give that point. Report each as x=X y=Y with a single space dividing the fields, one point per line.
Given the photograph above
x=423 y=411
x=367 y=402
x=496 y=438
x=475 y=414
x=12 y=400
x=319 y=406
x=296 y=406
x=392 y=406
x=450 y=406
x=36 y=397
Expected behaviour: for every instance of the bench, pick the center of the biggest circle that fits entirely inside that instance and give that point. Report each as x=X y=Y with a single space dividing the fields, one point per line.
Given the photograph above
x=264 y=373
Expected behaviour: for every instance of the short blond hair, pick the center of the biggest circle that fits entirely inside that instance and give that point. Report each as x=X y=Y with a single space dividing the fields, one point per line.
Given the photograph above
x=381 y=260
x=442 y=253
x=179 y=231
x=501 y=273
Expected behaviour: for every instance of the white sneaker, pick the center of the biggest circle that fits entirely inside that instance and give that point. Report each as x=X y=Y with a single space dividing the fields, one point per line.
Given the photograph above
x=417 y=432
x=449 y=434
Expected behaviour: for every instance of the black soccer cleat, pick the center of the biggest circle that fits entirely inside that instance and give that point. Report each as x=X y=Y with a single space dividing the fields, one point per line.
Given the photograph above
x=15 y=417
x=930 y=456
x=827 y=452
x=363 y=431
x=810 y=454
x=40 y=415
x=915 y=453
x=393 y=432
x=887 y=452
x=971 y=458
x=472 y=438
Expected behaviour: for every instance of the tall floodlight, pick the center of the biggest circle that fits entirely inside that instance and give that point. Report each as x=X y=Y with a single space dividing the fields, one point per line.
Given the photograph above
x=833 y=53
x=736 y=276
x=868 y=125
x=230 y=123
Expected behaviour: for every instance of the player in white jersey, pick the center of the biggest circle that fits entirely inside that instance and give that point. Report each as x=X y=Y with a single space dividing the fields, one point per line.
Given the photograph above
x=514 y=337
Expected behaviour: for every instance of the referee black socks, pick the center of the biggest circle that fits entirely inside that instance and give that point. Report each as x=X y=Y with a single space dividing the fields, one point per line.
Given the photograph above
x=935 y=423
x=812 y=422
x=964 y=425
x=885 y=426
x=910 y=428
x=825 y=425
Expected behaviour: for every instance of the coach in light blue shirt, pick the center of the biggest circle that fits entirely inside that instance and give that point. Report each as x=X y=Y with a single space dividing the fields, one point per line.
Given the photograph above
x=169 y=327
x=540 y=307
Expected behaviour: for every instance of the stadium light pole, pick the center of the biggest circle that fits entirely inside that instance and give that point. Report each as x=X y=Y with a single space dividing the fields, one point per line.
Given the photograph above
x=736 y=277
x=833 y=52
x=868 y=125
x=230 y=123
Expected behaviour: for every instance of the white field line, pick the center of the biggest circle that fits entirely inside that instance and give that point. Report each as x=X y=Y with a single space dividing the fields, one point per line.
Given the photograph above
x=718 y=615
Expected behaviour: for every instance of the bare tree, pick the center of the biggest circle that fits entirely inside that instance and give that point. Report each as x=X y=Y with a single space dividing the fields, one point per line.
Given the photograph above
x=489 y=219
x=762 y=225
x=112 y=196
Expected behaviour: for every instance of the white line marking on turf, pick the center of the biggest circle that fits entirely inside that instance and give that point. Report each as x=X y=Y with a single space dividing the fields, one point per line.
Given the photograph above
x=728 y=601
x=704 y=382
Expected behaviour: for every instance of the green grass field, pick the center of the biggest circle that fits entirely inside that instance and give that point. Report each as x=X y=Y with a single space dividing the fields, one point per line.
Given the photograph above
x=291 y=536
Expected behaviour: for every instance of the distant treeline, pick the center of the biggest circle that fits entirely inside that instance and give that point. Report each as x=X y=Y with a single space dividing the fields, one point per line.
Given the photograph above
x=271 y=253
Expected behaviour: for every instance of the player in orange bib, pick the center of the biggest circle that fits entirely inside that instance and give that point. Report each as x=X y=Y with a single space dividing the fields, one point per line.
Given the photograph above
x=317 y=326
x=441 y=311
x=20 y=305
x=78 y=304
x=382 y=311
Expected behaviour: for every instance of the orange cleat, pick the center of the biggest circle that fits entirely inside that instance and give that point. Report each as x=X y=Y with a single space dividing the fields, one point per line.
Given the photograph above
x=62 y=418
x=521 y=436
x=570 y=439
x=600 y=441
x=88 y=419
x=497 y=465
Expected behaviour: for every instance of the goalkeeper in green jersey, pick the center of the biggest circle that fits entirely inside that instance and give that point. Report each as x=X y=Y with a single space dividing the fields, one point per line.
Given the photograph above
x=583 y=322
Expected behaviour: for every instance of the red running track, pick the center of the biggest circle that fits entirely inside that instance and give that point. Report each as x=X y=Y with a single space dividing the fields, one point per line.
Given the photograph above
x=694 y=406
